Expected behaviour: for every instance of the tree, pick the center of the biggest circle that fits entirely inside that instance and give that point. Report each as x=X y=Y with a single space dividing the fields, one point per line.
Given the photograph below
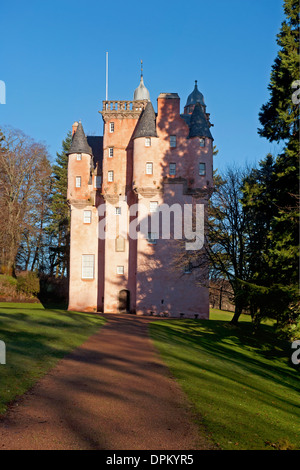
x=59 y=227
x=24 y=170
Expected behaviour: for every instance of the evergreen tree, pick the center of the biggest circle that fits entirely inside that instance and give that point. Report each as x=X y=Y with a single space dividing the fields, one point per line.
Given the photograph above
x=59 y=227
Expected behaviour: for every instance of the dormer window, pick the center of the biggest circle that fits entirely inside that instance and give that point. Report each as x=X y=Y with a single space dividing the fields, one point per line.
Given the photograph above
x=78 y=156
x=110 y=152
x=202 y=142
x=147 y=142
x=111 y=127
x=172 y=141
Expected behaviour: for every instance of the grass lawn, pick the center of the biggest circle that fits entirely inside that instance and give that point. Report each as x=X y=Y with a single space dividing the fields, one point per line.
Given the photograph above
x=36 y=338
x=243 y=386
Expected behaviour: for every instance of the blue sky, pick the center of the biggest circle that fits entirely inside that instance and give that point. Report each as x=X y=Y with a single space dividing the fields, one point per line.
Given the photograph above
x=53 y=63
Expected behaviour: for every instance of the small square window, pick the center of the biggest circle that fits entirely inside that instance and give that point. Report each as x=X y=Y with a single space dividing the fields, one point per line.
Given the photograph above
x=172 y=140
x=202 y=169
x=118 y=210
x=149 y=168
x=78 y=182
x=97 y=182
x=147 y=142
x=120 y=269
x=110 y=176
x=152 y=238
x=110 y=152
x=153 y=206
x=88 y=263
x=78 y=156
x=172 y=169
x=87 y=217
x=111 y=127
x=202 y=142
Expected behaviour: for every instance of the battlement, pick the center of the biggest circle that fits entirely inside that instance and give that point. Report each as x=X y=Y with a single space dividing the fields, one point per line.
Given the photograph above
x=122 y=109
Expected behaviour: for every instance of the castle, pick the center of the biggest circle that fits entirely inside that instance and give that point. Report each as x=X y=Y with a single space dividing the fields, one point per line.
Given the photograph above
x=148 y=160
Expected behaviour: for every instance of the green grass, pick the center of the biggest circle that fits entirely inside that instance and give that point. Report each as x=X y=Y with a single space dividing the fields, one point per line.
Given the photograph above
x=243 y=386
x=36 y=338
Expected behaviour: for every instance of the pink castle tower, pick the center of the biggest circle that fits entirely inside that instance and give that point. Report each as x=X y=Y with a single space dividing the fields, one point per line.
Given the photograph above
x=145 y=172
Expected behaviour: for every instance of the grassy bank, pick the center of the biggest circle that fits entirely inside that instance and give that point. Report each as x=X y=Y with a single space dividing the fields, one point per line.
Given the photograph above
x=243 y=386
x=36 y=338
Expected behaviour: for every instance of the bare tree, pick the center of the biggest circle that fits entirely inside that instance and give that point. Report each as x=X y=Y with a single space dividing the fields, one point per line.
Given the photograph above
x=24 y=175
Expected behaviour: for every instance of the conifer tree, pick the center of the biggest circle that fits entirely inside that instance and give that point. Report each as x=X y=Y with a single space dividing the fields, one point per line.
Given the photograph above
x=59 y=227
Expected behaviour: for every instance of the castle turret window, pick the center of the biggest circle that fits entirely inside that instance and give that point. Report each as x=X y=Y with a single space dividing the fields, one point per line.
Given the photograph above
x=172 y=169
x=172 y=140
x=202 y=169
x=110 y=152
x=88 y=266
x=202 y=142
x=97 y=182
x=78 y=156
x=110 y=176
x=149 y=168
x=153 y=206
x=118 y=210
x=111 y=127
x=152 y=238
x=147 y=142
x=78 y=182
x=120 y=244
x=87 y=217
x=120 y=269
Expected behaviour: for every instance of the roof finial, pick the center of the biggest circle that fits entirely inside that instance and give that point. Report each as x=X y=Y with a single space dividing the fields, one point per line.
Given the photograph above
x=196 y=81
x=141 y=68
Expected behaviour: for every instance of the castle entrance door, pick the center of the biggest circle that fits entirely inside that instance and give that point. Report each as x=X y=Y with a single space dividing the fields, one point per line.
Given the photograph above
x=124 y=301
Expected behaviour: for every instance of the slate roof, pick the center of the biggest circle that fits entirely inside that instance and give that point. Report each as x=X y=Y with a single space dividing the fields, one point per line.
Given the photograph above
x=79 y=142
x=146 y=126
x=96 y=144
x=195 y=97
x=199 y=126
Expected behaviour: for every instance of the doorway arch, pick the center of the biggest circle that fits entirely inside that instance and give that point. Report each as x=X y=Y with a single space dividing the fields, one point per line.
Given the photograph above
x=124 y=301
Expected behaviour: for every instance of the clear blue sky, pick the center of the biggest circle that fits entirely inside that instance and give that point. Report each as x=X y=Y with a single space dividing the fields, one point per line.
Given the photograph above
x=52 y=59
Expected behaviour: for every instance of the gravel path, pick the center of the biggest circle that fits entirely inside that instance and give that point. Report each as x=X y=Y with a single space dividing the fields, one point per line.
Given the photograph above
x=111 y=393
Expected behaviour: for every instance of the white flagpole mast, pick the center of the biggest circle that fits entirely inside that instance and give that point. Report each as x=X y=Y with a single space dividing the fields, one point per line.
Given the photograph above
x=106 y=95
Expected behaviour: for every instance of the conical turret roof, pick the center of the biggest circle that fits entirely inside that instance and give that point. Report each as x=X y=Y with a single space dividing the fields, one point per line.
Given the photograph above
x=199 y=126
x=146 y=126
x=79 y=142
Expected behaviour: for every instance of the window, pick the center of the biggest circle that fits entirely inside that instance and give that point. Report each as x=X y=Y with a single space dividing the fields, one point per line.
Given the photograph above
x=88 y=262
x=152 y=237
x=78 y=156
x=118 y=210
x=110 y=176
x=120 y=269
x=147 y=142
x=149 y=168
x=188 y=268
x=111 y=127
x=120 y=244
x=202 y=169
x=202 y=142
x=98 y=181
x=153 y=206
x=78 y=182
x=172 y=169
x=110 y=152
x=172 y=140
x=87 y=217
